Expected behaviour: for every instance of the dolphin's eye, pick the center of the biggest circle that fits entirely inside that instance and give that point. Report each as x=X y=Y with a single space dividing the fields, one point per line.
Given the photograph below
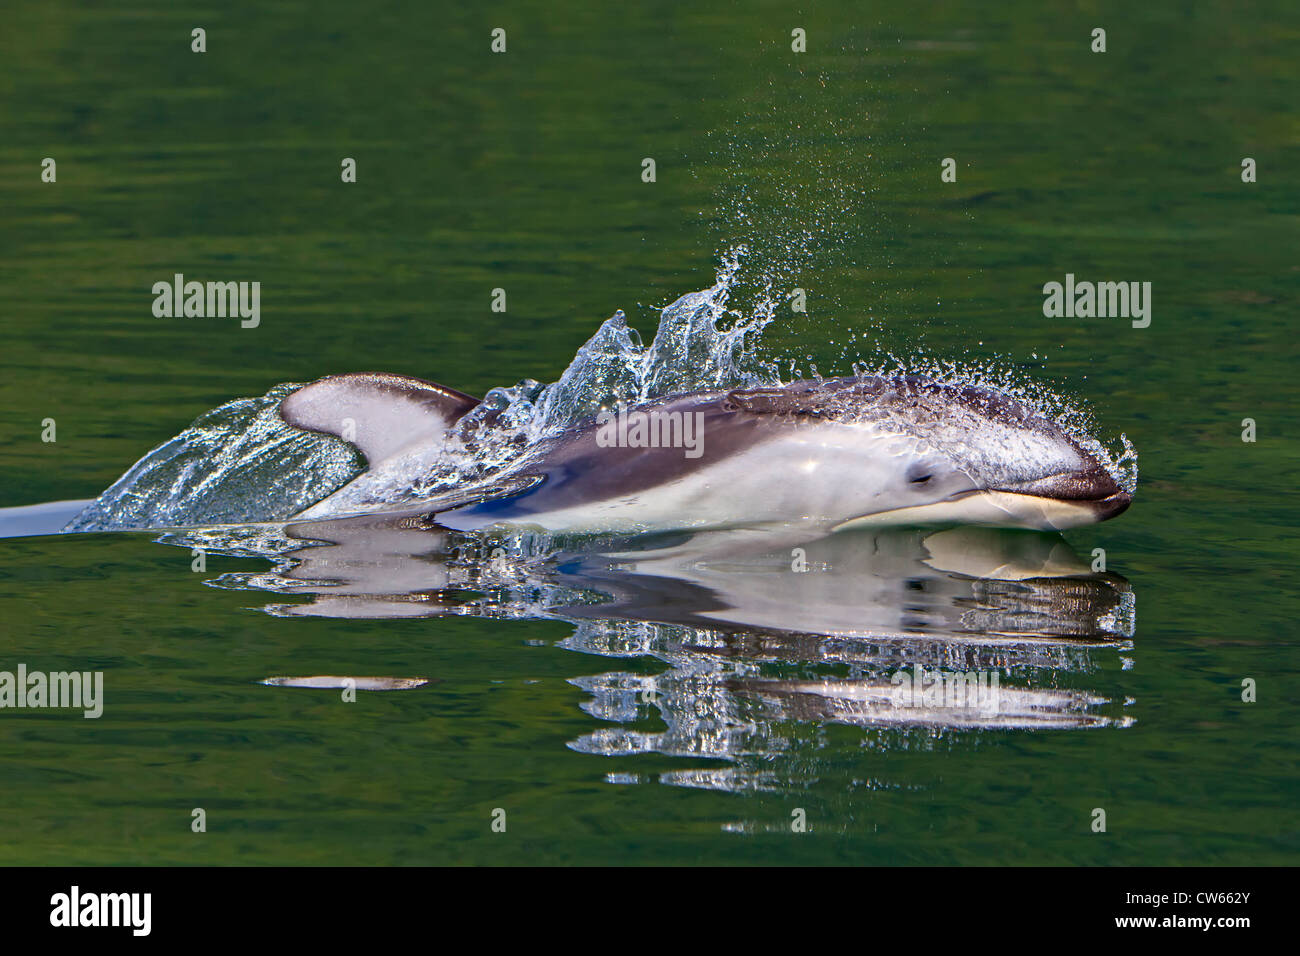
x=919 y=476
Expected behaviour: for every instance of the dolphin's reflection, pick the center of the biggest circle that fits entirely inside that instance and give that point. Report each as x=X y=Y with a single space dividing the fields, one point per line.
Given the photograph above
x=766 y=636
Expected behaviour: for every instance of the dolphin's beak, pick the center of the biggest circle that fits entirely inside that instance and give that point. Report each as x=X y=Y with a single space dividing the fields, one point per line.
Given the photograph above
x=1056 y=502
x=1092 y=488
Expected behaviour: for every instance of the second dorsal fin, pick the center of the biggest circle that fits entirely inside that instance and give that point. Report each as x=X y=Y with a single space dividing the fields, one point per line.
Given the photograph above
x=379 y=413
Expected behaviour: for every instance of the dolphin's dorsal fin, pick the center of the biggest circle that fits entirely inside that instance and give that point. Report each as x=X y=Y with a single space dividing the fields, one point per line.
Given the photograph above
x=379 y=413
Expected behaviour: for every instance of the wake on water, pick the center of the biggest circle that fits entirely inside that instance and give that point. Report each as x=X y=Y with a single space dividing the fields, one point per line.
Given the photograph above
x=240 y=463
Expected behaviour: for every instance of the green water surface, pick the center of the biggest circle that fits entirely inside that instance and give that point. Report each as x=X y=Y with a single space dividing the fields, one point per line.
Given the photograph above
x=522 y=171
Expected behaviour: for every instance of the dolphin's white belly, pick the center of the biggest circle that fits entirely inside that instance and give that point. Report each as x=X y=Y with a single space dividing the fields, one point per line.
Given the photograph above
x=813 y=477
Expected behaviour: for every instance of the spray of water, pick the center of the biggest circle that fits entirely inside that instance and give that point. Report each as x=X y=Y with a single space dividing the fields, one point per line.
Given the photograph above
x=240 y=463
x=236 y=463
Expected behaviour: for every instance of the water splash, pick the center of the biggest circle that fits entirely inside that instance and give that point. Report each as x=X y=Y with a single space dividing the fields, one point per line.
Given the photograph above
x=1072 y=414
x=237 y=463
x=240 y=463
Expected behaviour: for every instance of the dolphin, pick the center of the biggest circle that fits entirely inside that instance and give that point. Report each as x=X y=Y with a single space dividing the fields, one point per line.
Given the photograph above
x=829 y=455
